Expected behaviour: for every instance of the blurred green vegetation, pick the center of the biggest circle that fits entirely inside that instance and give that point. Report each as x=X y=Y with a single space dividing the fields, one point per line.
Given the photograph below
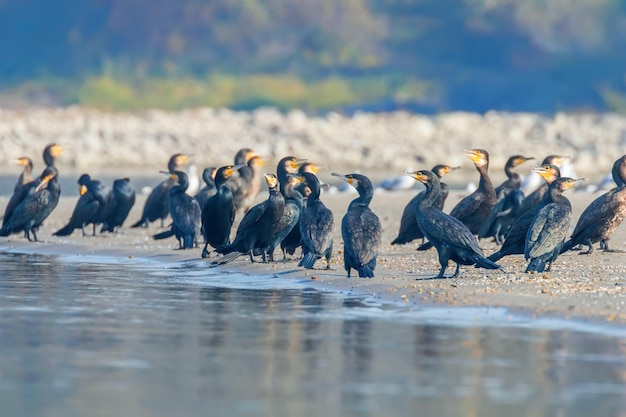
x=422 y=55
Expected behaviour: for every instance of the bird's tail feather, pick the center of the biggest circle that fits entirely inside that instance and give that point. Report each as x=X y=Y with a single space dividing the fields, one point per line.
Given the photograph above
x=365 y=271
x=163 y=235
x=567 y=246
x=231 y=256
x=496 y=256
x=308 y=261
x=425 y=246
x=140 y=223
x=536 y=265
x=64 y=231
x=486 y=263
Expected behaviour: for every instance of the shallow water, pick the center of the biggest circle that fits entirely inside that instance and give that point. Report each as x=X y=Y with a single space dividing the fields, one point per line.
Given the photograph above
x=89 y=339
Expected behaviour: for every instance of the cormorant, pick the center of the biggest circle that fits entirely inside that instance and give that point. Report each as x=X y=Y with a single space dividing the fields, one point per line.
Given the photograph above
x=549 y=228
x=360 y=228
x=26 y=176
x=409 y=230
x=122 y=202
x=316 y=226
x=50 y=153
x=508 y=201
x=157 y=203
x=515 y=237
x=92 y=206
x=473 y=210
x=246 y=185
x=185 y=212
x=451 y=237
x=218 y=212
x=600 y=219
x=294 y=240
x=257 y=226
x=41 y=198
x=209 y=189
x=294 y=201
x=20 y=190
x=536 y=196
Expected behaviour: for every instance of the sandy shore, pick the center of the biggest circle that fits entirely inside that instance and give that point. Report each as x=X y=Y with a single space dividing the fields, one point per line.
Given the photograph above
x=584 y=286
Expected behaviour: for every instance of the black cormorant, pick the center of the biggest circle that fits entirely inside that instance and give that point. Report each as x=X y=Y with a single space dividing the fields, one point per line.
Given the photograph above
x=294 y=202
x=536 y=196
x=600 y=219
x=316 y=226
x=360 y=228
x=123 y=201
x=157 y=203
x=257 y=226
x=508 y=202
x=515 y=237
x=185 y=212
x=294 y=240
x=209 y=189
x=549 y=228
x=452 y=238
x=26 y=176
x=92 y=206
x=40 y=200
x=50 y=153
x=409 y=230
x=473 y=210
x=218 y=213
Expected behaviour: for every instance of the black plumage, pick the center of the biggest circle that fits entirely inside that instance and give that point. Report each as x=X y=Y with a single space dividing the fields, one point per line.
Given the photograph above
x=26 y=176
x=600 y=219
x=185 y=212
x=409 y=229
x=40 y=200
x=515 y=237
x=209 y=189
x=294 y=239
x=532 y=199
x=246 y=184
x=50 y=153
x=123 y=200
x=218 y=212
x=452 y=238
x=316 y=226
x=294 y=201
x=549 y=228
x=360 y=228
x=157 y=204
x=508 y=203
x=473 y=210
x=257 y=226
x=92 y=206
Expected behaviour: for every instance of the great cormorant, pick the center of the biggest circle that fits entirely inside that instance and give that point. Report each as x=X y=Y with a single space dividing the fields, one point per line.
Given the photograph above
x=600 y=219
x=549 y=228
x=218 y=212
x=316 y=226
x=360 y=228
x=409 y=230
x=123 y=201
x=257 y=226
x=157 y=204
x=452 y=238
x=515 y=237
x=185 y=212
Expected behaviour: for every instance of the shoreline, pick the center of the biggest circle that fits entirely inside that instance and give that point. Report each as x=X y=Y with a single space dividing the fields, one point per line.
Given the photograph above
x=583 y=287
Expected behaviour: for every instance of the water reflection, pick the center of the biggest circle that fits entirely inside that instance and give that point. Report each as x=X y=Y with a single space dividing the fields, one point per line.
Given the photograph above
x=101 y=340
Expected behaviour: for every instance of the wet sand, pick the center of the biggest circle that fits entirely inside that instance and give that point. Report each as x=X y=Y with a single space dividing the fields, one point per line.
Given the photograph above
x=579 y=286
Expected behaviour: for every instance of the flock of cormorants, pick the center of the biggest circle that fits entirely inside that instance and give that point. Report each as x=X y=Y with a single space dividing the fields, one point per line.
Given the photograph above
x=293 y=215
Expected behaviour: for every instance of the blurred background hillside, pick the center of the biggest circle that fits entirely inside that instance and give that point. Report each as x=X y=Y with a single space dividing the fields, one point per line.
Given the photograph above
x=318 y=55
